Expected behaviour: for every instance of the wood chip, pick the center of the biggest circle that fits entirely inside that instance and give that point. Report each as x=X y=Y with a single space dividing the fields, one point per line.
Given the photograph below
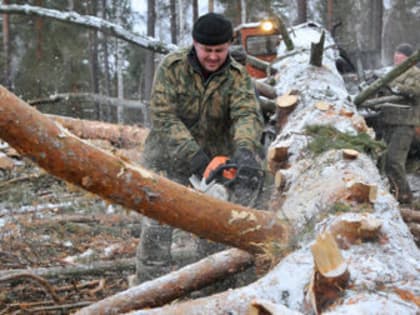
x=350 y=154
x=322 y=106
x=287 y=101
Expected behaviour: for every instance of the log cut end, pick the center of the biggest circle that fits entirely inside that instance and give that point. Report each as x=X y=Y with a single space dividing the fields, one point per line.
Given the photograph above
x=277 y=158
x=330 y=276
x=362 y=192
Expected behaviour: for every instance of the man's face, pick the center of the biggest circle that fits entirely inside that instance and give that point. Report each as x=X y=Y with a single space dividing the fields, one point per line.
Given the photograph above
x=212 y=57
x=399 y=58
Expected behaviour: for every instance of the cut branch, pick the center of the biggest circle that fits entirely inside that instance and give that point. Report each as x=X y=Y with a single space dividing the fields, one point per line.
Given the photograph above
x=330 y=276
x=66 y=156
x=317 y=51
x=174 y=285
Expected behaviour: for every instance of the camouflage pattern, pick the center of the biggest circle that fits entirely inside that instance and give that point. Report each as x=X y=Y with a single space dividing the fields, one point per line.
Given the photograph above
x=408 y=84
x=400 y=131
x=218 y=114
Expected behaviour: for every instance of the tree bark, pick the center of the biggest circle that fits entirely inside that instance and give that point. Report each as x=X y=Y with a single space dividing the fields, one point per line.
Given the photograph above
x=67 y=157
x=93 y=54
x=6 y=48
x=195 y=11
x=149 y=70
x=302 y=11
x=174 y=26
x=173 y=285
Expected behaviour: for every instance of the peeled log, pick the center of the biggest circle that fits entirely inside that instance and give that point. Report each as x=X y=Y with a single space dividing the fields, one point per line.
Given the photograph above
x=64 y=155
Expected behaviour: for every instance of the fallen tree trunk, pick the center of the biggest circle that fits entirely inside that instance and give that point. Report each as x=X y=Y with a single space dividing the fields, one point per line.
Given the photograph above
x=66 y=156
x=173 y=285
x=119 y=135
x=327 y=191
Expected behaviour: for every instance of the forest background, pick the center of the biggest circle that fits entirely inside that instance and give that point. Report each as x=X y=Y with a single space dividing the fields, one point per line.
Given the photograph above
x=41 y=56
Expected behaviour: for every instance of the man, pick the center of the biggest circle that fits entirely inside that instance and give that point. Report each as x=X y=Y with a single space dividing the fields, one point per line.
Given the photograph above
x=400 y=125
x=203 y=105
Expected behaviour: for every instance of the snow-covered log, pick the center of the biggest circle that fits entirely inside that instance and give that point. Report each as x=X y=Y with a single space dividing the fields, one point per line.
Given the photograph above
x=91 y=22
x=326 y=192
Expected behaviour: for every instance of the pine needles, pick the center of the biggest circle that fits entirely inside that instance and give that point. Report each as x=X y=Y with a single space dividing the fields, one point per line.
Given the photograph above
x=326 y=138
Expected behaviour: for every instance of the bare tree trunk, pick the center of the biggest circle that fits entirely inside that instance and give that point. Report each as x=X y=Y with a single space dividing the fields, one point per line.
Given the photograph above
x=93 y=57
x=106 y=55
x=243 y=11
x=174 y=26
x=119 y=65
x=149 y=68
x=195 y=10
x=38 y=27
x=302 y=11
x=330 y=14
x=6 y=47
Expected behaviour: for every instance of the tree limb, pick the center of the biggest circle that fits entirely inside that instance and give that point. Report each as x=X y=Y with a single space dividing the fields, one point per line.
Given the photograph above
x=91 y=22
x=169 y=287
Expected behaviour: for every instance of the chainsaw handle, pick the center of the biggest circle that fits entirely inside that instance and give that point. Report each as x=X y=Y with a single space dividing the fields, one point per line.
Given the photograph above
x=218 y=172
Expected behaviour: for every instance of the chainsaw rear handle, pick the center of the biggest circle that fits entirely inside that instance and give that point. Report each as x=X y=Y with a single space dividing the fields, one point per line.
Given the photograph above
x=222 y=173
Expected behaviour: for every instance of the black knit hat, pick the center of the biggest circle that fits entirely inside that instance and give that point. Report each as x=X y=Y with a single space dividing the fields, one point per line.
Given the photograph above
x=405 y=49
x=212 y=29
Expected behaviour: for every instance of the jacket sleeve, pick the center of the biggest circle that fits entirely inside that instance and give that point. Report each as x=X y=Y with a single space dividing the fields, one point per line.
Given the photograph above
x=179 y=143
x=245 y=114
x=408 y=83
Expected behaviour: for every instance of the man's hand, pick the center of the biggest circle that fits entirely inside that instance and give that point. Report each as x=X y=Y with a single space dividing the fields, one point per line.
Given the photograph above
x=199 y=163
x=244 y=157
x=249 y=178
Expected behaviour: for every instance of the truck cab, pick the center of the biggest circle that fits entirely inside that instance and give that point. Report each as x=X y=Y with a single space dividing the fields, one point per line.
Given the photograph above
x=260 y=40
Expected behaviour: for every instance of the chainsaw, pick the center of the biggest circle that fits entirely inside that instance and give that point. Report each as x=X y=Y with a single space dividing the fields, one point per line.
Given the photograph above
x=224 y=180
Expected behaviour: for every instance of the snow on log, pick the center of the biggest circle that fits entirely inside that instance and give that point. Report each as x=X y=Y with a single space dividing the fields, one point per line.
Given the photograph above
x=377 y=248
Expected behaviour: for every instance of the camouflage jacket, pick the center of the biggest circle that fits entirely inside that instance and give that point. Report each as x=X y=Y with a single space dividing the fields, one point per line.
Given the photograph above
x=408 y=85
x=217 y=114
